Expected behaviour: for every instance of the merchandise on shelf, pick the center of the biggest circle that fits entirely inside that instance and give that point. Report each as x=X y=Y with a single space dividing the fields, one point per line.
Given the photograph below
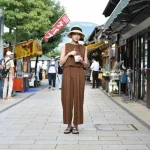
x=113 y=86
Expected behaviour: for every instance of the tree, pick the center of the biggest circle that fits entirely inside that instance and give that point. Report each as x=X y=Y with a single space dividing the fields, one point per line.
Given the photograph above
x=28 y=19
x=53 y=42
x=53 y=53
x=23 y=17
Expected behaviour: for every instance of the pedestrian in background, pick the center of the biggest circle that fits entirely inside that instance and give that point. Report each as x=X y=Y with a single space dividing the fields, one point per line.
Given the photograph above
x=95 y=69
x=40 y=74
x=60 y=74
x=9 y=79
x=91 y=77
x=74 y=59
x=52 y=70
x=38 y=71
x=1 y=80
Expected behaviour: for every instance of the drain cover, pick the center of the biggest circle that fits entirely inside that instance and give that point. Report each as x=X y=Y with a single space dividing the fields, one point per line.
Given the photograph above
x=115 y=127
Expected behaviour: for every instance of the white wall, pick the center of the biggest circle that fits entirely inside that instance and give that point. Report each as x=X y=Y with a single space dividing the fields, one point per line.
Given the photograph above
x=44 y=65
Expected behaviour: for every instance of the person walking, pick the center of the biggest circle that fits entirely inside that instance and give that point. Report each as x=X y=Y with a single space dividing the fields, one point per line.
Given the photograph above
x=1 y=80
x=95 y=69
x=8 y=80
x=40 y=74
x=73 y=59
x=38 y=71
x=52 y=70
x=60 y=73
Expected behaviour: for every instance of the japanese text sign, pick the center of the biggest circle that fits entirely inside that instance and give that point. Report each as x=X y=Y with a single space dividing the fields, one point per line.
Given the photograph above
x=60 y=24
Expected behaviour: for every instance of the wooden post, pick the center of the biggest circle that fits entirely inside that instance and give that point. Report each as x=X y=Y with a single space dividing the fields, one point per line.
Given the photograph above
x=148 y=74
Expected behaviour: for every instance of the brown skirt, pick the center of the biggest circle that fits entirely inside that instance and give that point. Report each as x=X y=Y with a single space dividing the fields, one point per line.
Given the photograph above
x=73 y=83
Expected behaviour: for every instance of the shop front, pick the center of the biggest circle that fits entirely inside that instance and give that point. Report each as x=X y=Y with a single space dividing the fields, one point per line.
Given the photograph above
x=137 y=52
x=100 y=50
x=131 y=21
x=93 y=51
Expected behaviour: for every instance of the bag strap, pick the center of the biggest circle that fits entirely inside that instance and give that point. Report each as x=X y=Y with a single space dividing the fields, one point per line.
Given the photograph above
x=6 y=62
x=48 y=65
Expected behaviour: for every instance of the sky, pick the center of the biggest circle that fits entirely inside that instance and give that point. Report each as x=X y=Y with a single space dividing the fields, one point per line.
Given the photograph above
x=85 y=10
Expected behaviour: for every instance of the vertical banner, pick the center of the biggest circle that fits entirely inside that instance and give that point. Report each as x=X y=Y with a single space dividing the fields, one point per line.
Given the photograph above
x=60 y=24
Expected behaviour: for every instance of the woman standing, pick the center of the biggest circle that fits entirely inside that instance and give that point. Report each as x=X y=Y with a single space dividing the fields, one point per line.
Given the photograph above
x=74 y=59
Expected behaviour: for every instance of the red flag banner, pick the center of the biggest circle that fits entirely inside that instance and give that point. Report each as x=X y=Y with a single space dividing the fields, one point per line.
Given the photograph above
x=60 y=24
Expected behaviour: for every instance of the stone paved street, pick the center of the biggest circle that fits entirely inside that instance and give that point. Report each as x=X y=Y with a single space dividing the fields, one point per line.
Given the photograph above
x=36 y=123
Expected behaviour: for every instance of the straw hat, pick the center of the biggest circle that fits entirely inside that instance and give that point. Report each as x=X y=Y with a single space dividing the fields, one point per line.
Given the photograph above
x=76 y=29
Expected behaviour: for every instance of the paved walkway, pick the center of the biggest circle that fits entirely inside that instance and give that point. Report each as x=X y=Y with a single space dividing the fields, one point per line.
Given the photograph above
x=136 y=108
x=36 y=123
x=18 y=97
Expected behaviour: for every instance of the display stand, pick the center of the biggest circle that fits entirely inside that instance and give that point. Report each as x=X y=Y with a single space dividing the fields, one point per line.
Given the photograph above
x=107 y=79
x=21 y=80
x=113 y=84
x=129 y=82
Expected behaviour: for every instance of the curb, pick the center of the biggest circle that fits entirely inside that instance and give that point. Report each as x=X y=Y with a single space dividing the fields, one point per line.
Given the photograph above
x=15 y=103
x=5 y=109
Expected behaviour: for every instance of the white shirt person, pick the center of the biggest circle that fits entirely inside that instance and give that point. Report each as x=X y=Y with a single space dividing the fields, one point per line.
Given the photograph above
x=95 y=69
x=95 y=66
x=52 y=70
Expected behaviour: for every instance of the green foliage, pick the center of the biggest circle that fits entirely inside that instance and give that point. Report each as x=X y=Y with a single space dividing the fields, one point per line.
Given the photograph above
x=30 y=19
x=53 y=53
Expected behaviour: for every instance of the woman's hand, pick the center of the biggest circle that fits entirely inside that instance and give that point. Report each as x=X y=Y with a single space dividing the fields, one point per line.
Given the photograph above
x=80 y=59
x=73 y=53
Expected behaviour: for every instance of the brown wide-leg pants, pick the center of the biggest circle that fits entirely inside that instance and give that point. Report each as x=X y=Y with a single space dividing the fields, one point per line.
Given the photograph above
x=73 y=83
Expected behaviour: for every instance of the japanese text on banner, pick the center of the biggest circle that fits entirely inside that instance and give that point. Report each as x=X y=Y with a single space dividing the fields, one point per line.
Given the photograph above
x=60 y=24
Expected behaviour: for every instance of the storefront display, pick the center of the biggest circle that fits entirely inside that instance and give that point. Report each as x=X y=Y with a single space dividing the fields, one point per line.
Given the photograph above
x=105 y=79
x=113 y=86
x=22 y=75
x=23 y=53
x=129 y=83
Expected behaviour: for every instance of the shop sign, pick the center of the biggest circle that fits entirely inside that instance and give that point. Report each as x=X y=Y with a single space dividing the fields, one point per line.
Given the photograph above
x=60 y=24
x=30 y=48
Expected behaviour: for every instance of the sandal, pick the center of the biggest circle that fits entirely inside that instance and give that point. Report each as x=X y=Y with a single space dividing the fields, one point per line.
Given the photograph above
x=4 y=98
x=68 y=130
x=10 y=98
x=75 y=130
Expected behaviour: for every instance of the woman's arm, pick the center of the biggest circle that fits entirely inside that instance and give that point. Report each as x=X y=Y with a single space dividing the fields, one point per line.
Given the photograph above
x=64 y=57
x=85 y=62
x=12 y=68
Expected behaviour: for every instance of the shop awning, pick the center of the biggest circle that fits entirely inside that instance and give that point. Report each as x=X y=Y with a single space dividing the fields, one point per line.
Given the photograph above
x=94 y=46
x=110 y=7
x=31 y=48
x=126 y=18
x=121 y=5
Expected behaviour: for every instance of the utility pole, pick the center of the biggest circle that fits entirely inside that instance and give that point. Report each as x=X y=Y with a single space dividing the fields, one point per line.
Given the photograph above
x=1 y=33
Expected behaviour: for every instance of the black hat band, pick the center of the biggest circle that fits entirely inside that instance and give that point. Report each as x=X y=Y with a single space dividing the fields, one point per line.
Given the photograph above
x=76 y=28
